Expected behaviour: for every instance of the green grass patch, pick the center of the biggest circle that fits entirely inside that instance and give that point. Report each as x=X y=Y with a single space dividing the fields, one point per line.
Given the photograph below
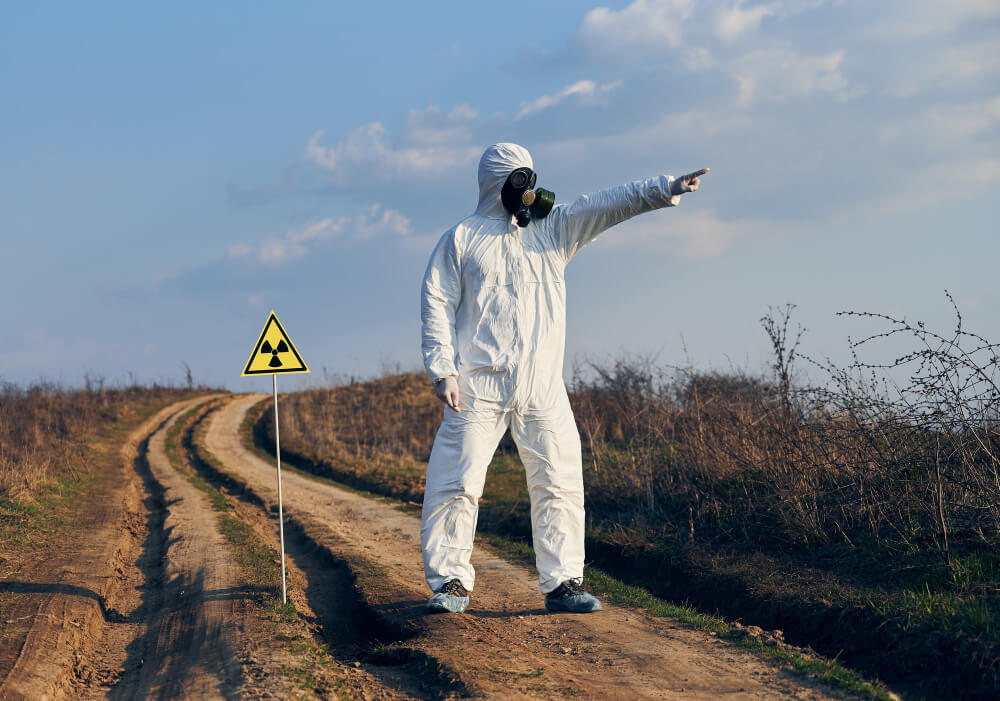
x=314 y=657
x=180 y=465
x=256 y=561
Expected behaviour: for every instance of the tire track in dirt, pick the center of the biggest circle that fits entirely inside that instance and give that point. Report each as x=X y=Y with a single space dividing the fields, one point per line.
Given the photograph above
x=171 y=625
x=183 y=633
x=507 y=645
x=327 y=608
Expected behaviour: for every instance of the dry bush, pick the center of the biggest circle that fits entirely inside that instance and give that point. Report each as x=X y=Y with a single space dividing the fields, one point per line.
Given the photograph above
x=762 y=463
x=44 y=428
x=927 y=450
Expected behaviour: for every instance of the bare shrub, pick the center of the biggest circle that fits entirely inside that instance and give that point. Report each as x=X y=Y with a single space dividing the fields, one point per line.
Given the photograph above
x=925 y=451
x=760 y=462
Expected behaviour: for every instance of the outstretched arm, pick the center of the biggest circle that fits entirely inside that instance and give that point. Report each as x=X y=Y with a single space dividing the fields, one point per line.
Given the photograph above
x=581 y=221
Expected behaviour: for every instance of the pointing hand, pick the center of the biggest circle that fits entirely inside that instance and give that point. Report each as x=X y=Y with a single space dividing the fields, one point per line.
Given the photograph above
x=687 y=183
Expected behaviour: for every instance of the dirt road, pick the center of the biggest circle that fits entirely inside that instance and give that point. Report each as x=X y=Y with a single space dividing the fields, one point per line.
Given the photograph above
x=141 y=598
x=187 y=617
x=155 y=605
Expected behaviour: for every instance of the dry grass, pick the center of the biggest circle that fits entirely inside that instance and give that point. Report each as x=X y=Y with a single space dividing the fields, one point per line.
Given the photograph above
x=44 y=429
x=859 y=461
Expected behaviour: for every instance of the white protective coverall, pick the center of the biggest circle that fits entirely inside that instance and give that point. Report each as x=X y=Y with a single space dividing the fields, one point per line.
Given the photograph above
x=493 y=308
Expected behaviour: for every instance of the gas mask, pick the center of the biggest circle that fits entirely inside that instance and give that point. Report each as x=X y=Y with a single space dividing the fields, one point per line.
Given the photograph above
x=521 y=199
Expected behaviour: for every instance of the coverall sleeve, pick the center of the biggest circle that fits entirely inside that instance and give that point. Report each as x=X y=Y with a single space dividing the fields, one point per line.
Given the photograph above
x=578 y=223
x=440 y=295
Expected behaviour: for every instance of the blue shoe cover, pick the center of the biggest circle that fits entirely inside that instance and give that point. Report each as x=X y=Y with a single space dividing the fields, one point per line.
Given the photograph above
x=446 y=603
x=578 y=603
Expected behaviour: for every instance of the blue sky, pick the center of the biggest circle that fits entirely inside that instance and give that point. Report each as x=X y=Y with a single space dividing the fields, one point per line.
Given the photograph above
x=171 y=173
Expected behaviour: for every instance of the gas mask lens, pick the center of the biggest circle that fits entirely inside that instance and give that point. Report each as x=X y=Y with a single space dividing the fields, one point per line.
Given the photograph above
x=521 y=199
x=522 y=179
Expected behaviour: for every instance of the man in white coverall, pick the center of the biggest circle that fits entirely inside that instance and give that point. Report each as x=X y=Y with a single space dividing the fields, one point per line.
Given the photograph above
x=493 y=308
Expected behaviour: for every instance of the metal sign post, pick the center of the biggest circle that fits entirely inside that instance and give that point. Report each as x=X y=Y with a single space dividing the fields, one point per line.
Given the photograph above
x=281 y=514
x=275 y=353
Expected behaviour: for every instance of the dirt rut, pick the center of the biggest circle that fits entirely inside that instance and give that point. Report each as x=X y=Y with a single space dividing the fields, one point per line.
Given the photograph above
x=183 y=632
x=506 y=645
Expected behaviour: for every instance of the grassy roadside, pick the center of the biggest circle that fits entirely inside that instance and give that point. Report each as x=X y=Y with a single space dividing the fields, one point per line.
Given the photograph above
x=256 y=560
x=503 y=473
x=253 y=439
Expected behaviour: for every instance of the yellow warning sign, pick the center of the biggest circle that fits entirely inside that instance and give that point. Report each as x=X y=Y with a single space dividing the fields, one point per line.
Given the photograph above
x=274 y=352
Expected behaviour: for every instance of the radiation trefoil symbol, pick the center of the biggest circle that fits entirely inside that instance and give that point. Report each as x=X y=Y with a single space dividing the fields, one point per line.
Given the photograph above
x=282 y=347
x=274 y=352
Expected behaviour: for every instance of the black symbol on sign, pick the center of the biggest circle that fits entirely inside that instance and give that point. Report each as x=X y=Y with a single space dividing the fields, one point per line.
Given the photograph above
x=281 y=348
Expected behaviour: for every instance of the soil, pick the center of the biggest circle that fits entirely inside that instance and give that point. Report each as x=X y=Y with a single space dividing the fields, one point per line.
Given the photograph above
x=147 y=600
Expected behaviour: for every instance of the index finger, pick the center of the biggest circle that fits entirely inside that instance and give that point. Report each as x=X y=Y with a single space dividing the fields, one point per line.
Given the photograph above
x=699 y=173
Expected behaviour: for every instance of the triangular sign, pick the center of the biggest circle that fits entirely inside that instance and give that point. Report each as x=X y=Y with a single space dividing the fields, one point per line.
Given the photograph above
x=274 y=352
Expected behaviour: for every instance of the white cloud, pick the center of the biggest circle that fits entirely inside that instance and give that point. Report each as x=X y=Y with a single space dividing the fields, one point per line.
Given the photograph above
x=945 y=130
x=239 y=250
x=985 y=171
x=918 y=18
x=965 y=63
x=695 y=233
x=643 y=25
x=376 y=222
x=463 y=113
x=965 y=120
x=970 y=60
x=679 y=27
x=584 y=90
x=782 y=74
x=951 y=180
x=791 y=8
x=733 y=22
x=429 y=142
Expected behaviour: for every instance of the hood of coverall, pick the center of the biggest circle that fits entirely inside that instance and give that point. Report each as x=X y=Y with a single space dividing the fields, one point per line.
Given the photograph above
x=496 y=164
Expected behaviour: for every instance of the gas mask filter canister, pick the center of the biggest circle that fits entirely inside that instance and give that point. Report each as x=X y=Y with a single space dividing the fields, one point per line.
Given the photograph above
x=521 y=199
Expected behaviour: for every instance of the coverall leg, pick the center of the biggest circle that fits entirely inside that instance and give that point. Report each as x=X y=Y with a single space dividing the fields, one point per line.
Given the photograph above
x=549 y=445
x=456 y=473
